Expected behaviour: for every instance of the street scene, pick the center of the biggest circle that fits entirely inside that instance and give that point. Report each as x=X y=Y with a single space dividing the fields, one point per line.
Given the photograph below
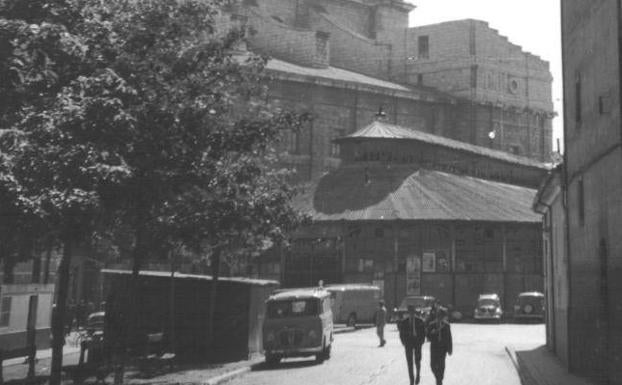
x=310 y=191
x=479 y=358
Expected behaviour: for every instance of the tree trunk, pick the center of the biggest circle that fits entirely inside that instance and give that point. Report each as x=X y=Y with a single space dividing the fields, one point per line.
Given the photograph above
x=9 y=267
x=36 y=269
x=212 y=302
x=46 y=269
x=58 y=315
x=131 y=313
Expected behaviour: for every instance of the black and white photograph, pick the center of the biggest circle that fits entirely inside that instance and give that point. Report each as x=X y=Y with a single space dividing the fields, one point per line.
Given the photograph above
x=311 y=192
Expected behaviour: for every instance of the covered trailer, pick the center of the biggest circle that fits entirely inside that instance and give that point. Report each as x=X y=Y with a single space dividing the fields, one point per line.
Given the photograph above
x=177 y=309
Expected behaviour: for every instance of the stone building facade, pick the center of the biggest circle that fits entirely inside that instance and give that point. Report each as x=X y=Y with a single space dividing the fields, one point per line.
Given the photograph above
x=591 y=191
x=342 y=60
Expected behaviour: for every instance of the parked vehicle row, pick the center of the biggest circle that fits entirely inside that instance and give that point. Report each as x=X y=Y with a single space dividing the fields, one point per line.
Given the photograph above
x=528 y=305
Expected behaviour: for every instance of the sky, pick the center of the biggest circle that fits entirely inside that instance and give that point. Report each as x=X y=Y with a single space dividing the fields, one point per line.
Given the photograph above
x=532 y=24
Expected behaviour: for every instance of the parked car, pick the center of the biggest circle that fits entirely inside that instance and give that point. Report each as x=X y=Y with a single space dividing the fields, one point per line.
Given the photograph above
x=354 y=303
x=95 y=322
x=529 y=305
x=298 y=323
x=488 y=307
x=422 y=303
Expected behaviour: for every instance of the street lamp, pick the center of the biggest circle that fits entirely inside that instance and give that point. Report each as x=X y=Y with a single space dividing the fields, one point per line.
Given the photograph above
x=491 y=136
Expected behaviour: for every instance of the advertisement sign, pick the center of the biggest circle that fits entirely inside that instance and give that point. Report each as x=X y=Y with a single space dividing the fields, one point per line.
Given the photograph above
x=429 y=262
x=413 y=275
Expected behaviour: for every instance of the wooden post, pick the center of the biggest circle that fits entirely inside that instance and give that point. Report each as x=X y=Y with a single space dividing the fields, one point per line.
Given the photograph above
x=504 y=256
x=1 y=361
x=395 y=262
x=173 y=335
x=452 y=236
x=344 y=233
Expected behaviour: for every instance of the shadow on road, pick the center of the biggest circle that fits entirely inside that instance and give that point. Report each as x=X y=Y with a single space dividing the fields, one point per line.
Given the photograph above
x=284 y=365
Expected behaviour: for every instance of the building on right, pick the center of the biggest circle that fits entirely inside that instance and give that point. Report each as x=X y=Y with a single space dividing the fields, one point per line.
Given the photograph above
x=591 y=192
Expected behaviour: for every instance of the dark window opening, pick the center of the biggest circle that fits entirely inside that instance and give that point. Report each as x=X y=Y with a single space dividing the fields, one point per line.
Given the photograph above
x=474 y=76
x=423 y=47
x=5 y=311
x=581 y=202
x=577 y=92
x=294 y=142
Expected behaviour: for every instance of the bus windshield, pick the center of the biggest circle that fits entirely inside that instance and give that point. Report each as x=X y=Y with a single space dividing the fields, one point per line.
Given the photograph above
x=292 y=308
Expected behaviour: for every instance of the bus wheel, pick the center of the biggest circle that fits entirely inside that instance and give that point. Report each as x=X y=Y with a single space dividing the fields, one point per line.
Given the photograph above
x=352 y=320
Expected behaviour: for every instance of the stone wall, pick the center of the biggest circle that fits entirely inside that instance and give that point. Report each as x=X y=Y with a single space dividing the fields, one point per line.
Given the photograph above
x=594 y=196
x=337 y=112
x=469 y=59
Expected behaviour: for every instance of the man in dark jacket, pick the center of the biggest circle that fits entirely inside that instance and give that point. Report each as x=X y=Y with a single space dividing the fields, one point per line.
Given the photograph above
x=412 y=335
x=439 y=335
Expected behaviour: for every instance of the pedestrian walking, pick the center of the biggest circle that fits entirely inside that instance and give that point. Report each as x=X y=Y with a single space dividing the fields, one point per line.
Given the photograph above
x=380 y=321
x=412 y=335
x=439 y=335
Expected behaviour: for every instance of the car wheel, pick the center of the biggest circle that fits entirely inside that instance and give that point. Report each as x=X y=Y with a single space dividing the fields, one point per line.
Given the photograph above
x=272 y=359
x=351 y=320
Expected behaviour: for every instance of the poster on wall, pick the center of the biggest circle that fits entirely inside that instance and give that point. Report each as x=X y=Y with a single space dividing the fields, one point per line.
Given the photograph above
x=380 y=284
x=429 y=262
x=442 y=261
x=413 y=275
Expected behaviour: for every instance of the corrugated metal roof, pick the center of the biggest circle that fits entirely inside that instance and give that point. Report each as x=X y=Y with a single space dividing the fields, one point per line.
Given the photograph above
x=340 y=75
x=356 y=192
x=382 y=130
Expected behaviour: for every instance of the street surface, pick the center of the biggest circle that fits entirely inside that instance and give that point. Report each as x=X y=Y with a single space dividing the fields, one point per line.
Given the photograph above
x=479 y=359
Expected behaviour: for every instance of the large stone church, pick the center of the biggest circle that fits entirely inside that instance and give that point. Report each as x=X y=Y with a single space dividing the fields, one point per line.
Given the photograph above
x=342 y=60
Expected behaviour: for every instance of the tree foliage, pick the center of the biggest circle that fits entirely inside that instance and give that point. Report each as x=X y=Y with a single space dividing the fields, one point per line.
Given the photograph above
x=140 y=109
x=140 y=115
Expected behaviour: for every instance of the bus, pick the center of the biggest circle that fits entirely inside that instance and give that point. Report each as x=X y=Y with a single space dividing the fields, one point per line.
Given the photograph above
x=354 y=303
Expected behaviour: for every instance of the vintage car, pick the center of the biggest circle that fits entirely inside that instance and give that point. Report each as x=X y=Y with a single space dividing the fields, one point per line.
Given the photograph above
x=422 y=303
x=488 y=307
x=298 y=323
x=529 y=305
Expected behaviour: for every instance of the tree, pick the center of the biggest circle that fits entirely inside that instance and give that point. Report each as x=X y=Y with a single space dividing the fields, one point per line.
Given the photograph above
x=61 y=115
x=140 y=113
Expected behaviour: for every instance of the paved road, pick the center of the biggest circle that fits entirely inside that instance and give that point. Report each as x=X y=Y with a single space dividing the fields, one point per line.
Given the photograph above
x=479 y=358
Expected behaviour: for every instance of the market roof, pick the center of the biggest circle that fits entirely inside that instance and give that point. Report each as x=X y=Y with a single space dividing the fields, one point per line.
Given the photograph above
x=358 y=192
x=167 y=274
x=344 y=77
x=383 y=130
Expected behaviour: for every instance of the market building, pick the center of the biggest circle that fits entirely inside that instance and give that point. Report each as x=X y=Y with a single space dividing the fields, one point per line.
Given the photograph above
x=416 y=213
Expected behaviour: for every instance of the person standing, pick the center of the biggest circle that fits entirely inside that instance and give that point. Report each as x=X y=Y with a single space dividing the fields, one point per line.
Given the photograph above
x=439 y=335
x=412 y=335
x=380 y=321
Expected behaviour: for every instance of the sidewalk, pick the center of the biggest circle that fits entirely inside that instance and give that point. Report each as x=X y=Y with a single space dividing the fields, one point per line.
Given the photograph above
x=540 y=367
x=206 y=374
x=214 y=374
